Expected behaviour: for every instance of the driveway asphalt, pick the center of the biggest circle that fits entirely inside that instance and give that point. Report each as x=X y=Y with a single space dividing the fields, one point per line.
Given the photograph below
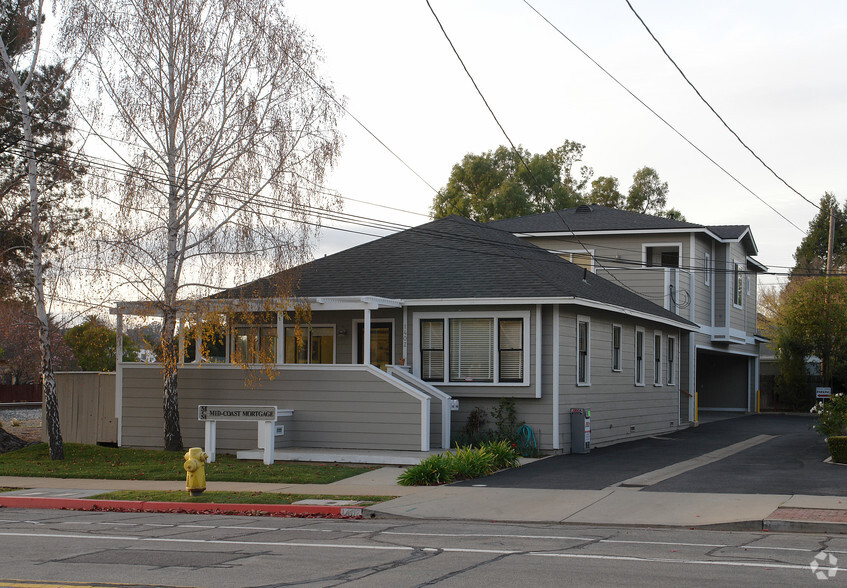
x=773 y=454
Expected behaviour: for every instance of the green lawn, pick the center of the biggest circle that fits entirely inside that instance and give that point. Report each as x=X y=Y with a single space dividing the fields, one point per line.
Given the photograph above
x=109 y=463
x=216 y=497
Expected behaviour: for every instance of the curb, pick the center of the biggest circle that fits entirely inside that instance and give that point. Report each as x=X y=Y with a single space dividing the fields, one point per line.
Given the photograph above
x=86 y=504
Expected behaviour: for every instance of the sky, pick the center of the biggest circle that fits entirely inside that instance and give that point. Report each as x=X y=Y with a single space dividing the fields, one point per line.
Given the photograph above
x=773 y=70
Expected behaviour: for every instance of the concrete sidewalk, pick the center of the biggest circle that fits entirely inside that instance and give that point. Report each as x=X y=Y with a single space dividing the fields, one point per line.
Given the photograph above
x=618 y=506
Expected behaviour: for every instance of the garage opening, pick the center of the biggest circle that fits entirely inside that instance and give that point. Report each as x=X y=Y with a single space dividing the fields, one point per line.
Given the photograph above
x=723 y=381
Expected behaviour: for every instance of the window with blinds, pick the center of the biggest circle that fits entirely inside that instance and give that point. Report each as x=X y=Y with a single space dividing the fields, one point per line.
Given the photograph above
x=472 y=350
x=511 y=350
x=432 y=350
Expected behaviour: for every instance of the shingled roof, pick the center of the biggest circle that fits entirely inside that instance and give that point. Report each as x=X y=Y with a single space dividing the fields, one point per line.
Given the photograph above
x=451 y=258
x=590 y=217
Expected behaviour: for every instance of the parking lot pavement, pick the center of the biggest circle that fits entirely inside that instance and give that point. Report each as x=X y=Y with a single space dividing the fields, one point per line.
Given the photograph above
x=776 y=454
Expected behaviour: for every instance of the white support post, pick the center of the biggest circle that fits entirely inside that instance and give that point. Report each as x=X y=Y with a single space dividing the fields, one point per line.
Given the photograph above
x=280 y=337
x=119 y=371
x=181 y=338
x=366 y=335
x=267 y=428
x=227 y=340
x=211 y=440
x=198 y=343
x=405 y=335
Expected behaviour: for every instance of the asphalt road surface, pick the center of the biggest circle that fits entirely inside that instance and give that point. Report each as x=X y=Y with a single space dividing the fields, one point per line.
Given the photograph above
x=790 y=461
x=55 y=547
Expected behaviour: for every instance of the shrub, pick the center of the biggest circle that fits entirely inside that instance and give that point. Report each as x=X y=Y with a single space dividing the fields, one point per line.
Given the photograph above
x=434 y=470
x=466 y=463
x=469 y=463
x=506 y=419
x=832 y=416
x=504 y=453
x=838 y=448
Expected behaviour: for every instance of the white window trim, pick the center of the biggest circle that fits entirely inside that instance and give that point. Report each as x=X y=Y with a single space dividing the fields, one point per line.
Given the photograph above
x=620 y=349
x=416 y=346
x=569 y=253
x=642 y=373
x=707 y=270
x=675 y=363
x=646 y=246
x=735 y=283
x=657 y=359
x=587 y=320
x=309 y=327
x=354 y=359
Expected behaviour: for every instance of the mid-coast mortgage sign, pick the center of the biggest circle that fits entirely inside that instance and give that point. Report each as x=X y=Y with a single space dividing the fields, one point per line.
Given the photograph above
x=226 y=412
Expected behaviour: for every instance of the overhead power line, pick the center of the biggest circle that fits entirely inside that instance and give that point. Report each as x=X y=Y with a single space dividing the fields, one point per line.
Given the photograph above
x=657 y=115
x=715 y=112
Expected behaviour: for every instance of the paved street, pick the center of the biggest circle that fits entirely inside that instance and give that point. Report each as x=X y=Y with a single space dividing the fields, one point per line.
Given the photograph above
x=196 y=550
x=787 y=457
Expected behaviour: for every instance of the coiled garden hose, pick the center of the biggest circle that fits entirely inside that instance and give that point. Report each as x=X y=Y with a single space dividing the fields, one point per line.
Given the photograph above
x=527 y=445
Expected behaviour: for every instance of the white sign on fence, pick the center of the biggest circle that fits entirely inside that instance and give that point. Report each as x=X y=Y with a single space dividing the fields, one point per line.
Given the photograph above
x=823 y=392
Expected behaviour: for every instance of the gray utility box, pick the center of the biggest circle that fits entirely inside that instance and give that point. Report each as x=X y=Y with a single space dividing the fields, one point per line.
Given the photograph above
x=580 y=430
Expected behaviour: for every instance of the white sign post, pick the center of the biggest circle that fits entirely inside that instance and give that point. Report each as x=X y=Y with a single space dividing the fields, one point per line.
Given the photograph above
x=264 y=416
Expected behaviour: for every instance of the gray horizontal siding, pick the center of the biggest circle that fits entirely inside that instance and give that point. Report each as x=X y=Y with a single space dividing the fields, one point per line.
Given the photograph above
x=334 y=408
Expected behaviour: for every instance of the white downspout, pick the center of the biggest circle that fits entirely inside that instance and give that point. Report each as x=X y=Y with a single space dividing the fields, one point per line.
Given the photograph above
x=538 y=351
x=556 y=443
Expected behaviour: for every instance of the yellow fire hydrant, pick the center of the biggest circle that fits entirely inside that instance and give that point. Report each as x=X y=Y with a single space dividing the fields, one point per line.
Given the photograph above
x=195 y=477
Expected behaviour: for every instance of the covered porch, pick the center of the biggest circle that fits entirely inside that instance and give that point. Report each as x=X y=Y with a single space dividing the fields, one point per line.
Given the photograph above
x=349 y=398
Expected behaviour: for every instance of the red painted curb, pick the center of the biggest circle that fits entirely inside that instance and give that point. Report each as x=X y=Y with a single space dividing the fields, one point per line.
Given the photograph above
x=183 y=507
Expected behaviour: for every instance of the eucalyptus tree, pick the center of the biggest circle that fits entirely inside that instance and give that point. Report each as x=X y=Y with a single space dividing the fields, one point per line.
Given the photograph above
x=223 y=131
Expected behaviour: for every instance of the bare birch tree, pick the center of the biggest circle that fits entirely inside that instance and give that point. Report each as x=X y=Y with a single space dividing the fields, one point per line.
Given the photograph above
x=38 y=164
x=224 y=135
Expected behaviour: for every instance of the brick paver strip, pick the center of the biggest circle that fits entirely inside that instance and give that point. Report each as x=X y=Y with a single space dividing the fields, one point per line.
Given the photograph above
x=809 y=514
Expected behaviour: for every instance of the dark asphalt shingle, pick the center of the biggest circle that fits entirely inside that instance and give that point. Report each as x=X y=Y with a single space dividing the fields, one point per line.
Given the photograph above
x=446 y=259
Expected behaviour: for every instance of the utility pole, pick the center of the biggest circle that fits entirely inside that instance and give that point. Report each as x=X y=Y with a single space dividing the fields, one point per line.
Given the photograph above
x=831 y=242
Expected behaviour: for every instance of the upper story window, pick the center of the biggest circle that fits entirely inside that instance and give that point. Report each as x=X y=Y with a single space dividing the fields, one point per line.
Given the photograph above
x=582 y=258
x=662 y=255
x=738 y=279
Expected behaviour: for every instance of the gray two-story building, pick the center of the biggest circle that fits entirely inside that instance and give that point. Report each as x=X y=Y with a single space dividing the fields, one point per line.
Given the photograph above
x=705 y=274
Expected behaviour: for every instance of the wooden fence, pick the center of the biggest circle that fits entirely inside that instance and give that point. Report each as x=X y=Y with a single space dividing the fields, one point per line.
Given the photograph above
x=86 y=408
x=20 y=393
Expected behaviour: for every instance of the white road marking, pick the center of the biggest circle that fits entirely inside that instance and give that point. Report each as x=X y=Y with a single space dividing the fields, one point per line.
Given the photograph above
x=664 y=560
